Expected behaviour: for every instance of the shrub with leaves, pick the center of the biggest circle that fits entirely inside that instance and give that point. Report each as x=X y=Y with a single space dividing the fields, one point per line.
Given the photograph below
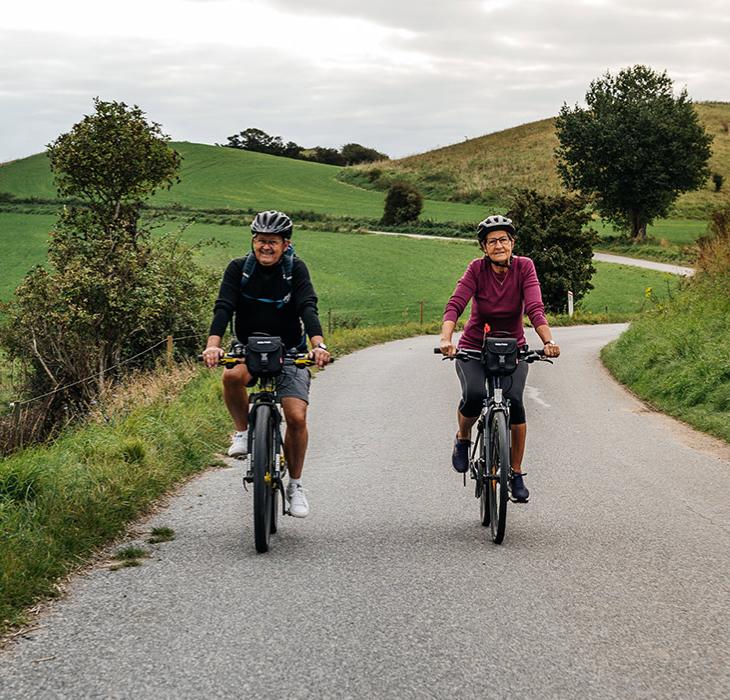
x=403 y=203
x=552 y=231
x=110 y=289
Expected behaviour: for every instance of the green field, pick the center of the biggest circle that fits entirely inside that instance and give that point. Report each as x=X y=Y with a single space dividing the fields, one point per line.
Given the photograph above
x=380 y=279
x=215 y=177
x=673 y=231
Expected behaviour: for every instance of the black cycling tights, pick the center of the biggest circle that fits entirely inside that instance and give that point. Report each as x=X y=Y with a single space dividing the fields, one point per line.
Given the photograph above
x=472 y=376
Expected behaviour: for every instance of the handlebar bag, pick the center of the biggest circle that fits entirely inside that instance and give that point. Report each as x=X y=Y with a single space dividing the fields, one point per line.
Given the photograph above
x=500 y=355
x=264 y=355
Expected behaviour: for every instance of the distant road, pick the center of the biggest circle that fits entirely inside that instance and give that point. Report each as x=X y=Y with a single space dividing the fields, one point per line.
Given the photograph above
x=613 y=582
x=602 y=257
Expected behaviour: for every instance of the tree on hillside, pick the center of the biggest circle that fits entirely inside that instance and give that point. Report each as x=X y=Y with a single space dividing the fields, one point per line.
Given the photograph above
x=635 y=147
x=403 y=204
x=355 y=153
x=552 y=231
x=259 y=141
x=111 y=290
x=329 y=156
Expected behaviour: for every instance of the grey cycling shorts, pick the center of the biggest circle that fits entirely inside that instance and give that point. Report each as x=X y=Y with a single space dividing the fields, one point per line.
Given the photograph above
x=294 y=382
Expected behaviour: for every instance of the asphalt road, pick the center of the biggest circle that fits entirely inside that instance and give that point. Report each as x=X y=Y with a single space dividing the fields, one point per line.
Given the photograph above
x=612 y=582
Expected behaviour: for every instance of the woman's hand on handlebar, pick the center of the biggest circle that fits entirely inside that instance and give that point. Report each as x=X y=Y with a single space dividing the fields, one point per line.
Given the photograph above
x=448 y=349
x=211 y=355
x=552 y=350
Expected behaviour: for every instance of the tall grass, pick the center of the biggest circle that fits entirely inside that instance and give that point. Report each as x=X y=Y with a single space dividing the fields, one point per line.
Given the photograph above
x=676 y=357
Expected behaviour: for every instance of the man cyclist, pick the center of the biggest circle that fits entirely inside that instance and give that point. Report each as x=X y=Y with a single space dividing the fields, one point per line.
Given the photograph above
x=502 y=288
x=270 y=293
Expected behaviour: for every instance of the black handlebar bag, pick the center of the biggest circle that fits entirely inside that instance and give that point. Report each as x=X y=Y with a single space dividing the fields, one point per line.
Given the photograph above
x=264 y=356
x=500 y=356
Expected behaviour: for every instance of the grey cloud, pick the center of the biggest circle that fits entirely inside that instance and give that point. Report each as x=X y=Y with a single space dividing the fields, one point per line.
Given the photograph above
x=487 y=71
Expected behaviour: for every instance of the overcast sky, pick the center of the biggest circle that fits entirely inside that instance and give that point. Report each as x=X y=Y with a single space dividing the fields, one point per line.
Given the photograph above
x=398 y=75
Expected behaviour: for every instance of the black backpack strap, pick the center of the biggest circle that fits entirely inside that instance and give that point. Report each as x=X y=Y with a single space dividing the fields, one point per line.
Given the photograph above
x=249 y=265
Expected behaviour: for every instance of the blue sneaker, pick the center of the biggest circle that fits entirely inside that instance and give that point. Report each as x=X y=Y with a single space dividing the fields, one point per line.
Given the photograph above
x=517 y=488
x=460 y=455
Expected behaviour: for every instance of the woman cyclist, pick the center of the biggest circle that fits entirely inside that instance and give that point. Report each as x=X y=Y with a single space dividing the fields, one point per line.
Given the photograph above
x=502 y=287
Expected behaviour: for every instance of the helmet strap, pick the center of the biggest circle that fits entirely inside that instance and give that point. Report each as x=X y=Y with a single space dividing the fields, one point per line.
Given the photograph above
x=500 y=263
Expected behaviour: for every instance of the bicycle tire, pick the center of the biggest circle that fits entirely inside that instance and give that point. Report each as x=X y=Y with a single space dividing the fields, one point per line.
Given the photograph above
x=274 y=526
x=482 y=482
x=261 y=463
x=499 y=466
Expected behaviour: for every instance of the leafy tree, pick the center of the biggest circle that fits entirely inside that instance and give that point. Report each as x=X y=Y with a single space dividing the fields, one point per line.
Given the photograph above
x=113 y=158
x=635 y=148
x=261 y=142
x=552 y=231
x=111 y=289
x=403 y=203
x=329 y=156
x=354 y=153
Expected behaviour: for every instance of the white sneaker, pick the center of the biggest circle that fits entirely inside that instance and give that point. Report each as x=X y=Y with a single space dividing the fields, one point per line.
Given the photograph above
x=239 y=445
x=298 y=506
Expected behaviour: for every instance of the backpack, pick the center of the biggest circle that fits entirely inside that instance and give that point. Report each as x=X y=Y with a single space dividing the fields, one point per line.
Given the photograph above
x=287 y=265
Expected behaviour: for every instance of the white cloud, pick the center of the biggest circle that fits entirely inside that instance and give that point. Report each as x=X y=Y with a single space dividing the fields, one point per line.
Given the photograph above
x=400 y=76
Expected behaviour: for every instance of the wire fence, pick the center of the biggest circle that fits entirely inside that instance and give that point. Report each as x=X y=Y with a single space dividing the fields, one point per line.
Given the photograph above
x=34 y=419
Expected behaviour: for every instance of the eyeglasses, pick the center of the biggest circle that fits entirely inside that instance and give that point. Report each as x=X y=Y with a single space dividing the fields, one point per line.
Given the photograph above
x=273 y=242
x=502 y=241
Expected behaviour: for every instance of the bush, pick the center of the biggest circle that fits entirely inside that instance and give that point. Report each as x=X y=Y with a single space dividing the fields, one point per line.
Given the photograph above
x=403 y=203
x=111 y=290
x=717 y=180
x=550 y=230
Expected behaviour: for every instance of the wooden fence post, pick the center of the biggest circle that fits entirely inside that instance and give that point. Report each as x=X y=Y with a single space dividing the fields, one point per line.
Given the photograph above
x=169 y=352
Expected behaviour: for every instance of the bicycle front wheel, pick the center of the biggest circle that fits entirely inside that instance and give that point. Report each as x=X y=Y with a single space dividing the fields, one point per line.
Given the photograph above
x=481 y=454
x=498 y=474
x=263 y=487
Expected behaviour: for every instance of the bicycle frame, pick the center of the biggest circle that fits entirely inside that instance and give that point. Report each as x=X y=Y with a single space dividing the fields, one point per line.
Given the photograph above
x=494 y=402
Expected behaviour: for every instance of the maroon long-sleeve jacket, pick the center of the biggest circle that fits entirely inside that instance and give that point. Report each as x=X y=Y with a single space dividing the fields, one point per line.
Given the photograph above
x=499 y=300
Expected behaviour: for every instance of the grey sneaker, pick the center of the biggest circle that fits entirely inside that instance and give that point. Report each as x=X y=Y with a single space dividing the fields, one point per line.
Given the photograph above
x=298 y=505
x=239 y=445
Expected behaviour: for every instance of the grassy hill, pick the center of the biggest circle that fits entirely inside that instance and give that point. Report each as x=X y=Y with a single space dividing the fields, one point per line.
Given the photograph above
x=485 y=169
x=215 y=177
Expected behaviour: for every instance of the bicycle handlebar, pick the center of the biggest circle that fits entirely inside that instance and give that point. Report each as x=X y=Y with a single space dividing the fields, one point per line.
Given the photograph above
x=300 y=359
x=526 y=355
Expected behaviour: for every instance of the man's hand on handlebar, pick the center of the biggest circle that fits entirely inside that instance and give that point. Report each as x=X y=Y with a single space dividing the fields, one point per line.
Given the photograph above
x=211 y=356
x=320 y=356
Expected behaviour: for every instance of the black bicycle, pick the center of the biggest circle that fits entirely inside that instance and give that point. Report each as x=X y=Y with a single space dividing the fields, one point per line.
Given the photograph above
x=265 y=358
x=490 y=464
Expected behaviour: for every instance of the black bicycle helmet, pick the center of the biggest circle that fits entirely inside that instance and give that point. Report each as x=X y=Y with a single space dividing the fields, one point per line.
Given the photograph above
x=272 y=222
x=495 y=223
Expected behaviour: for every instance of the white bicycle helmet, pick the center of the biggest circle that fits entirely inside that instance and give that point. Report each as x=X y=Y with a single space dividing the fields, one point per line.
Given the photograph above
x=495 y=223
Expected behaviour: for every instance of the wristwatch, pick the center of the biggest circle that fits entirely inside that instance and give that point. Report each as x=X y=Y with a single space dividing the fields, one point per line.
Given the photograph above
x=321 y=346
x=549 y=342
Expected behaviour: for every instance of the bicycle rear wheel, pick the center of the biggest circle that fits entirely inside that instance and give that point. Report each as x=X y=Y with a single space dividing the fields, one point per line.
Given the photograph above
x=261 y=465
x=498 y=472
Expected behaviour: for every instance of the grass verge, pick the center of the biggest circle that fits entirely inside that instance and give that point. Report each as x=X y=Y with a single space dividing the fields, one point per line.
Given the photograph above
x=60 y=502
x=676 y=357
